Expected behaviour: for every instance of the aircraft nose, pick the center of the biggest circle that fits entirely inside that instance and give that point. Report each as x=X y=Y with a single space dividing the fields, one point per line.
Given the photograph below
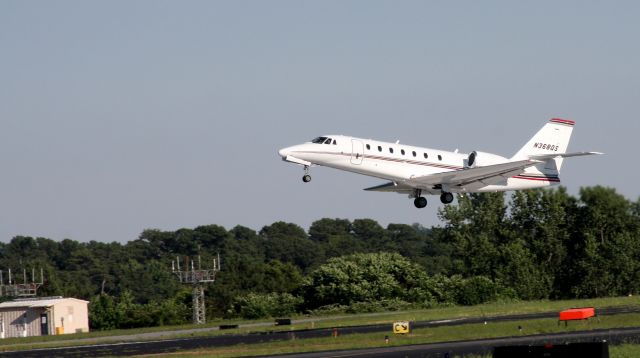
x=284 y=152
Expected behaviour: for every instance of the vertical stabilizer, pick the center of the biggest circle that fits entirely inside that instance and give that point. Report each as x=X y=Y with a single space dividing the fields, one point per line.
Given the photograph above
x=552 y=138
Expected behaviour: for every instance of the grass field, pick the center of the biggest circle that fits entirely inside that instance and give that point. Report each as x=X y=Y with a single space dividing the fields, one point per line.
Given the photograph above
x=497 y=329
x=427 y=335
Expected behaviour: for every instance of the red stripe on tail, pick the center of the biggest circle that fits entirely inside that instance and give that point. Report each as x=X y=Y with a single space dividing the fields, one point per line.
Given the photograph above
x=563 y=121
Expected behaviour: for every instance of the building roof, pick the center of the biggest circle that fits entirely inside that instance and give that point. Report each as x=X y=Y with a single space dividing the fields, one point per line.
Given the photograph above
x=42 y=302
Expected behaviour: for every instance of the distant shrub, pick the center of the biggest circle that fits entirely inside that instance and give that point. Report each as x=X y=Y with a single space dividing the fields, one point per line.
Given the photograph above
x=368 y=278
x=107 y=312
x=480 y=289
x=255 y=305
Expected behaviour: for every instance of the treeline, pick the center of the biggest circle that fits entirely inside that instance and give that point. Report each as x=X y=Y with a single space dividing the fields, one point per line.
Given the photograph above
x=528 y=245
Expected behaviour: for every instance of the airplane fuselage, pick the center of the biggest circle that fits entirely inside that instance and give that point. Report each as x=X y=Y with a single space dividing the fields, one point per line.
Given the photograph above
x=399 y=162
x=416 y=170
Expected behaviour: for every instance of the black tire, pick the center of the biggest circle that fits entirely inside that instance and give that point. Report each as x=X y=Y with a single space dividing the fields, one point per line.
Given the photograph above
x=420 y=202
x=446 y=198
x=306 y=178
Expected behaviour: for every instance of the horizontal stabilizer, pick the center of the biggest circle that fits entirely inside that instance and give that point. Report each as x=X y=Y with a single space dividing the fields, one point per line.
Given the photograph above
x=562 y=155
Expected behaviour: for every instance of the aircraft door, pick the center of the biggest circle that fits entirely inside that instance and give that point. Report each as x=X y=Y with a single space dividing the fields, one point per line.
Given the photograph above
x=357 y=152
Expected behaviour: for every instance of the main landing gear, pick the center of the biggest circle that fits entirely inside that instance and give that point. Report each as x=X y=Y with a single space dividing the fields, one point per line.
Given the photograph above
x=446 y=197
x=421 y=202
x=306 y=177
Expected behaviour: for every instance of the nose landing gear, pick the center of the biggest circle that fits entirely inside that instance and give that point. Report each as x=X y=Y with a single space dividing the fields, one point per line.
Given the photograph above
x=306 y=177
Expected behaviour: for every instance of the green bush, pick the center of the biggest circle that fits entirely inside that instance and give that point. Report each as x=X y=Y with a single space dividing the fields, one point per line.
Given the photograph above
x=255 y=305
x=107 y=312
x=366 y=278
x=480 y=289
x=102 y=313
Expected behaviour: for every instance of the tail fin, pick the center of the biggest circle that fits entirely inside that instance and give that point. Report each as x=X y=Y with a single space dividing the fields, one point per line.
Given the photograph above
x=553 y=138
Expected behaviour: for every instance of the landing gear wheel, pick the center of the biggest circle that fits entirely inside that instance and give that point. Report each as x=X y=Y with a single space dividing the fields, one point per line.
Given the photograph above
x=446 y=198
x=420 y=202
x=306 y=178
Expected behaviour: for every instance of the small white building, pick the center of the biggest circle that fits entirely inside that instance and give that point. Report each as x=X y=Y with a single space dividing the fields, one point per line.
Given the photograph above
x=43 y=316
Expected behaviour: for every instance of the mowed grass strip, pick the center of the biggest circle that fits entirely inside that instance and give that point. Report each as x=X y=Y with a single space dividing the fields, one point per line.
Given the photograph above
x=620 y=351
x=489 y=309
x=624 y=351
x=420 y=336
x=328 y=321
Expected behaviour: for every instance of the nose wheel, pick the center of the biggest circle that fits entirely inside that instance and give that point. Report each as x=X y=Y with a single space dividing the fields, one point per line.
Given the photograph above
x=306 y=177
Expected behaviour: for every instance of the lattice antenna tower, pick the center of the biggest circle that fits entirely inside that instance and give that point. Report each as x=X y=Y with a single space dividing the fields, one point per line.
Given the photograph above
x=14 y=288
x=197 y=278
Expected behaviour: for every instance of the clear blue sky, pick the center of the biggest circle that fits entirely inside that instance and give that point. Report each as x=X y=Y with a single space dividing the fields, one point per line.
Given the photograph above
x=116 y=116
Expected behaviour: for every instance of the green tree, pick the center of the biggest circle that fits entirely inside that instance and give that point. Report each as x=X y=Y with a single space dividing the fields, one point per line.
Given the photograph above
x=603 y=251
x=210 y=237
x=102 y=313
x=323 y=229
x=519 y=271
x=541 y=220
x=289 y=243
x=373 y=236
x=476 y=227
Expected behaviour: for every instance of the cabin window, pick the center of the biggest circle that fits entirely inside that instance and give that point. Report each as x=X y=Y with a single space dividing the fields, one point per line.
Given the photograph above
x=334 y=142
x=414 y=153
x=390 y=150
x=379 y=148
x=425 y=155
x=439 y=157
x=368 y=147
x=402 y=151
x=319 y=140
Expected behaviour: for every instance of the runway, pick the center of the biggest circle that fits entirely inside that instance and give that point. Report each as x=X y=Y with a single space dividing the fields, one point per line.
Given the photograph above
x=476 y=346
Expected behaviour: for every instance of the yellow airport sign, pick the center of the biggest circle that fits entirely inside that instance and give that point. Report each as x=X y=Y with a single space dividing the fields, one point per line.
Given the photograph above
x=402 y=327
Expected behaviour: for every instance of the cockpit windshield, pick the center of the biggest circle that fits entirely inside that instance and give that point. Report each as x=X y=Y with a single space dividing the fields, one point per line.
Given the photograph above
x=325 y=140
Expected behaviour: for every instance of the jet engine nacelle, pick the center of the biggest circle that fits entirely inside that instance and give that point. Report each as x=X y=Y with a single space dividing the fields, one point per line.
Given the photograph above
x=482 y=159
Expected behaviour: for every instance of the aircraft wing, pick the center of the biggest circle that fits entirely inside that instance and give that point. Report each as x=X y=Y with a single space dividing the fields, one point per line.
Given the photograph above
x=487 y=174
x=469 y=177
x=392 y=187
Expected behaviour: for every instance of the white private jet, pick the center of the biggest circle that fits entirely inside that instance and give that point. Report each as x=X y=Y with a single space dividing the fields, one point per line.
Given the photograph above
x=417 y=171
